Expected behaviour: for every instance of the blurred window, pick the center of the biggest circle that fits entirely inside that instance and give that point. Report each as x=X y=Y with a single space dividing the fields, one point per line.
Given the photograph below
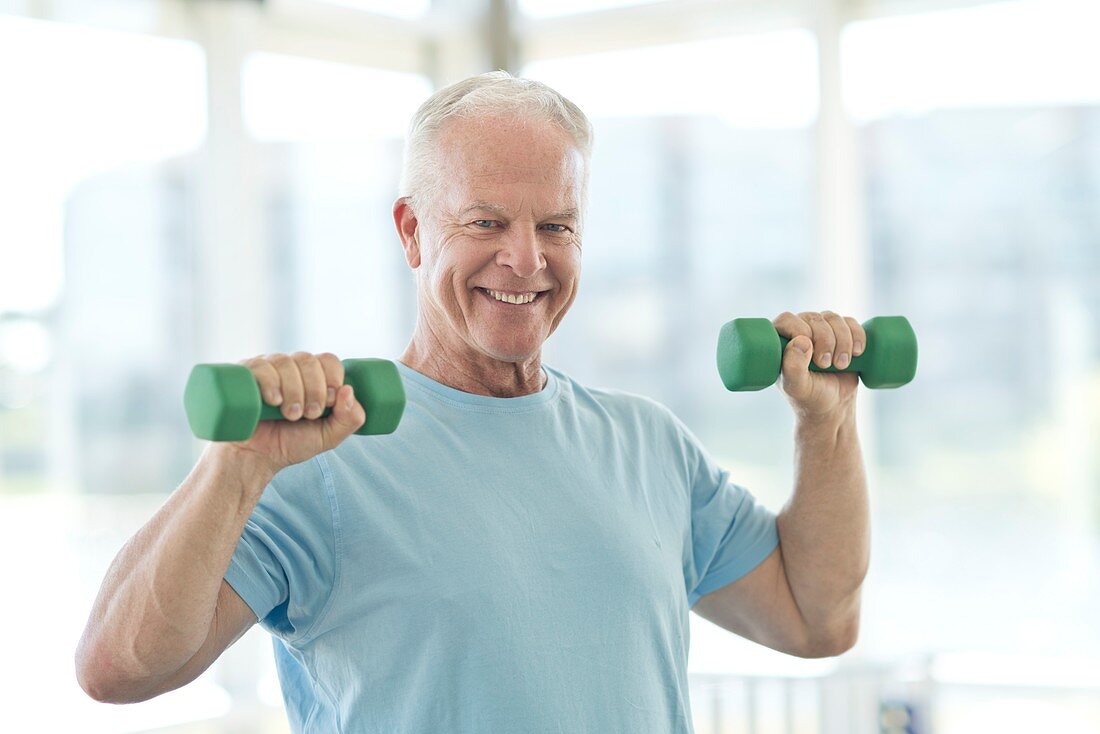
x=983 y=187
x=97 y=138
x=398 y=8
x=332 y=139
x=997 y=55
x=95 y=123
x=548 y=8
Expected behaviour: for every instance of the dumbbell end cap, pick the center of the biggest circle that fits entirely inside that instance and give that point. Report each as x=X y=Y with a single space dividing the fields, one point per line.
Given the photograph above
x=893 y=360
x=749 y=354
x=379 y=389
x=222 y=402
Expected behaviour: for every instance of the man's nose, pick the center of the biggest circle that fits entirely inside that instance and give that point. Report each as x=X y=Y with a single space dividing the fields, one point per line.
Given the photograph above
x=522 y=252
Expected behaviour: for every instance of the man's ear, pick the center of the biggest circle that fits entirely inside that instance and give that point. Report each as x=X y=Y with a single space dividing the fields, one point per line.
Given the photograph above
x=404 y=218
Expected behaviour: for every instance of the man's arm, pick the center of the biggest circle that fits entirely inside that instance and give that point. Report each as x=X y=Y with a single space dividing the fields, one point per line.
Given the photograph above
x=804 y=598
x=164 y=611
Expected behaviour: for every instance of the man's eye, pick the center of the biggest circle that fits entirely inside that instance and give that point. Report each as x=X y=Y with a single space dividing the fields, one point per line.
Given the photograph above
x=484 y=223
x=560 y=227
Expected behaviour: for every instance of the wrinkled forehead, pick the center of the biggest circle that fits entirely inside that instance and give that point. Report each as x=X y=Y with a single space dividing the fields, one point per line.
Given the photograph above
x=506 y=159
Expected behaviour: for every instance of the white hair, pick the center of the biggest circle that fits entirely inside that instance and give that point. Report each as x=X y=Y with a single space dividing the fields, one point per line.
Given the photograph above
x=492 y=94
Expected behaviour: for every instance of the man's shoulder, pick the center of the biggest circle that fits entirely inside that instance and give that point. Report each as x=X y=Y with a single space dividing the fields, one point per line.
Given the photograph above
x=620 y=403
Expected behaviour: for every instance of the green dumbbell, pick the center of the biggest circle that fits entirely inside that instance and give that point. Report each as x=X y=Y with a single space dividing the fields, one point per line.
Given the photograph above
x=223 y=400
x=750 y=354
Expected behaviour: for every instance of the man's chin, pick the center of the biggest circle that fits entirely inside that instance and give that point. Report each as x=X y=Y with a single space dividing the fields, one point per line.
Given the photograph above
x=512 y=352
x=513 y=357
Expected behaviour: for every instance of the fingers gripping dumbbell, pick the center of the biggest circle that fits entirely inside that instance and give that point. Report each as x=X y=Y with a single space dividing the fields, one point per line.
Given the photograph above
x=750 y=354
x=223 y=400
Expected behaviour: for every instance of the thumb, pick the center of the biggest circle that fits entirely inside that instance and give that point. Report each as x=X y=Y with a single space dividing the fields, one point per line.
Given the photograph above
x=803 y=345
x=347 y=414
x=796 y=362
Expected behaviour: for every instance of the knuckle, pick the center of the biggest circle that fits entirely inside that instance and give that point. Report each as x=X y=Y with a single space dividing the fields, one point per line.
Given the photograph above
x=331 y=363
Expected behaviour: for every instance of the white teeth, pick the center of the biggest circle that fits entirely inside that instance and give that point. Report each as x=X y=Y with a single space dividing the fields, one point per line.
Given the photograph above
x=508 y=298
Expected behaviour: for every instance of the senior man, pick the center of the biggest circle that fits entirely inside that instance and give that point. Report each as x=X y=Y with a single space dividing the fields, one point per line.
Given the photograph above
x=522 y=553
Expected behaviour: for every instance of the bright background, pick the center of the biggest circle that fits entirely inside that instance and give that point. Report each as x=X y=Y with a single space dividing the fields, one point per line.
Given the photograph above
x=186 y=182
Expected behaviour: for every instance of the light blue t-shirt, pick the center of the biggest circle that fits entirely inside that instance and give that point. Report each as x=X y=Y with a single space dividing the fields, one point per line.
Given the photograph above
x=497 y=565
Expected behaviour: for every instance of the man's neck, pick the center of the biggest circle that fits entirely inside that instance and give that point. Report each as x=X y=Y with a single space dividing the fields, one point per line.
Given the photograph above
x=471 y=372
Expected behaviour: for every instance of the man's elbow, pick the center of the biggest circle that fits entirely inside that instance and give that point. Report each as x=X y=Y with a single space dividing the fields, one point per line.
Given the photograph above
x=95 y=678
x=835 y=642
x=104 y=691
x=96 y=685
x=97 y=689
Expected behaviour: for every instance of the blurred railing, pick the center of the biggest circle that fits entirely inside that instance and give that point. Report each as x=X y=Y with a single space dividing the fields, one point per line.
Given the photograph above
x=946 y=694
x=849 y=701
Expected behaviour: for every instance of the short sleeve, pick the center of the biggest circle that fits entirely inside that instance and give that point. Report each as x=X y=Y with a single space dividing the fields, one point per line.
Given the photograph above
x=285 y=563
x=731 y=532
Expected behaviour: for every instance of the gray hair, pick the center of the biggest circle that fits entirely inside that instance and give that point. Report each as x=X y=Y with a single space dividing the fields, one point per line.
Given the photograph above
x=490 y=94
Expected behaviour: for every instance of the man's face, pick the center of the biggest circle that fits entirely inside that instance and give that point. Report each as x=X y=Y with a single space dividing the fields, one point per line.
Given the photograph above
x=500 y=250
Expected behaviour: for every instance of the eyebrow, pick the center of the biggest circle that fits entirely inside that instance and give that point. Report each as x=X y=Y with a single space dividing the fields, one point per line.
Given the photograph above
x=488 y=206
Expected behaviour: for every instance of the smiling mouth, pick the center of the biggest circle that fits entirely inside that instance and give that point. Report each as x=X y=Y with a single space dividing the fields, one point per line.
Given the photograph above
x=510 y=298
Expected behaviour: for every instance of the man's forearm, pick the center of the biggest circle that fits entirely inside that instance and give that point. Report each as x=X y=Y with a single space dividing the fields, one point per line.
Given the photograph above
x=824 y=529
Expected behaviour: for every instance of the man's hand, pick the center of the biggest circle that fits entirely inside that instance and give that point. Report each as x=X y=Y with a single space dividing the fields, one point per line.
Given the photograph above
x=829 y=340
x=303 y=384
